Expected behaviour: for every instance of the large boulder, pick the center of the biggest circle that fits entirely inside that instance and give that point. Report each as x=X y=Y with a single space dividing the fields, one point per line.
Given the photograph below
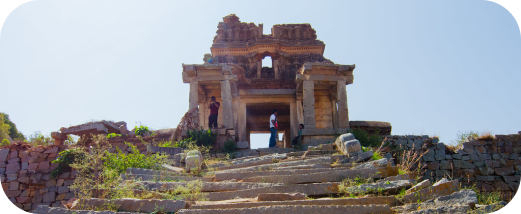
x=348 y=145
x=193 y=160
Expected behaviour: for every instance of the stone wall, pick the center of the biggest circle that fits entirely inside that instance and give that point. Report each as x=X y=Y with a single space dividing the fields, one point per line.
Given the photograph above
x=26 y=177
x=493 y=165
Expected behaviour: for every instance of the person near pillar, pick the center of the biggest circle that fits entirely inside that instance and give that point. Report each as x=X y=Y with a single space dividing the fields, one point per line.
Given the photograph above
x=273 y=129
x=214 y=111
x=299 y=136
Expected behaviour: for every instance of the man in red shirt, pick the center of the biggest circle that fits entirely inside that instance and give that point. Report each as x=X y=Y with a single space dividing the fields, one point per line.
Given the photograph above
x=214 y=112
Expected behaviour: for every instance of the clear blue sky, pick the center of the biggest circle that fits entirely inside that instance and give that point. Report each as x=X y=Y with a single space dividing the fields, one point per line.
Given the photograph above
x=435 y=67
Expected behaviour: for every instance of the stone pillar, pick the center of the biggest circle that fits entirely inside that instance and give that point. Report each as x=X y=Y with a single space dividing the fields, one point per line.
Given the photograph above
x=227 y=108
x=300 y=112
x=309 y=104
x=241 y=128
x=202 y=115
x=334 y=113
x=287 y=138
x=343 y=116
x=293 y=121
x=259 y=68
x=193 y=99
x=275 y=67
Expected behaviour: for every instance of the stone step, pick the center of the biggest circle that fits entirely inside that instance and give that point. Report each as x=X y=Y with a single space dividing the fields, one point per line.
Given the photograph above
x=207 y=186
x=250 y=159
x=242 y=175
x=246 y=164
x=131 y=205
x=164 y=178
x=387 y=187
x=335 y=209
x=265 y=167
x=44 y=209
x=322 y=189
x=431 y=192
x=390 y=200
x=312 y=166
x=267 y=151
x=329 y=176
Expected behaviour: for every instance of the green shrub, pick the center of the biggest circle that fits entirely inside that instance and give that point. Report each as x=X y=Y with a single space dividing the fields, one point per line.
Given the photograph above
x=5 y=142
x=201 y=137
x=169 y=144
x=140 y=131
x=120 y=161
x=111 y=135
x=38 y=139
x=65 y=159
x=230 y=146
x=365 y=139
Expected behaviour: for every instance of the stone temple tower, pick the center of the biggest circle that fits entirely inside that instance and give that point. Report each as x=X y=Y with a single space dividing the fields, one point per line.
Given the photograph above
x=302 y=85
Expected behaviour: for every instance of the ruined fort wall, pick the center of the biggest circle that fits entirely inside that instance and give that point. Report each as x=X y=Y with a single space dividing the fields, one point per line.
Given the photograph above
x=492 y=165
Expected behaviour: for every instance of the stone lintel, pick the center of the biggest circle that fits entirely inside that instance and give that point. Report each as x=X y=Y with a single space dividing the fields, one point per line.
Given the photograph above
x=312 y=132
x=266 y=92
x=324 y=77
x=94 y=127
x=187 y=79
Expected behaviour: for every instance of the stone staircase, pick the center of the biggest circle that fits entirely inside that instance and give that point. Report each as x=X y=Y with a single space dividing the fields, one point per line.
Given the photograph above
x=287 y=181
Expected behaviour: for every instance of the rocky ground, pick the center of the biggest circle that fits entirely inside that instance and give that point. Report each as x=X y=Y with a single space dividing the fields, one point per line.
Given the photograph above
x=285 y=181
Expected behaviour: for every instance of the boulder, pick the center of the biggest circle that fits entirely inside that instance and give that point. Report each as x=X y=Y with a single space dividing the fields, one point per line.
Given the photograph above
x=465 y=197
x=347 y=144
x=193 y=160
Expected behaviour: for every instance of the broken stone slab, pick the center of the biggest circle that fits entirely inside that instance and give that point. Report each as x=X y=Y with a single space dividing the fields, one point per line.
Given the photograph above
x=131 y=205
x=242 y=175
x=98 y=127
x=465 y=197
x=45 y=209
x=422 y=185
x=193 y=160
x=246 y=164
x=320 y=189
x=373 y=164
x=333 y=209
x=360 y=158
x=164 y=150
x=275 y=150
x=321 y=160
x=281 y=196
x=321 y=201
x=172 y=168
x=207 y=186
x=390 y=187
x=432 y=192
x=329 y=176
x=312 y=166
x=407 y=176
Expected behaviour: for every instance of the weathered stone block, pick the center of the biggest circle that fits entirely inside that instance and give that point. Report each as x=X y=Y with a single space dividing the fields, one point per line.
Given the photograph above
x=280 y=196
x=502 y=171
x=49 y=197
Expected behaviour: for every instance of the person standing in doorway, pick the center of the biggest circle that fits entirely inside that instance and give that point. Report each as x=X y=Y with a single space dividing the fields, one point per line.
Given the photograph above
x=214 y=112
x=273 y=129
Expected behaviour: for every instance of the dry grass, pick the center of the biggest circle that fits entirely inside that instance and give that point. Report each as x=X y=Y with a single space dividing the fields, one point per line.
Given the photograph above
x=485 y=136
x=410 y=160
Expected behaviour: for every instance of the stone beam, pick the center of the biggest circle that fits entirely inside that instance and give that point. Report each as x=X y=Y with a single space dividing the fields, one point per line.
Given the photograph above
x=187 y=79
x=324 y=77
x=343 y=115
x=309 y=104
x=266 y=92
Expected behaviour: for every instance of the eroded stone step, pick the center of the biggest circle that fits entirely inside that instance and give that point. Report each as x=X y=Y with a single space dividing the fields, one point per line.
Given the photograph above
x=207 y=186
x=242 y=175
x=329 y=176
x=250 y=159
x=434 y=191
x=267 y=151
x=139 y=171
x=321 y=189
x=321 y=160
x=246 y=164
x=335 y=209
x=131 y=205
x=390 y=200
x=44 y=209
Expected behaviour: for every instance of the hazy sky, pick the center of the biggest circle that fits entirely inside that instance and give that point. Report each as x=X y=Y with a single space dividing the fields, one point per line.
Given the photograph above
x=434 y=68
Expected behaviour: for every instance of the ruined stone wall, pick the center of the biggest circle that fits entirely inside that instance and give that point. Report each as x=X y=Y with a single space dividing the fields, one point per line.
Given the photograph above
x=26 y=177
x=493 y=165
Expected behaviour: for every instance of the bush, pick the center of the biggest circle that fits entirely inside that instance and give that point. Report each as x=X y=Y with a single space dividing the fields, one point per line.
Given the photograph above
x=66 y=158
x=140 y=131
x=201 y=137
x=111 y=135
x=365 y=139
x=468 y=136
x=5 y=142
x=38 y=139
x=120 y=161
x=230 y=147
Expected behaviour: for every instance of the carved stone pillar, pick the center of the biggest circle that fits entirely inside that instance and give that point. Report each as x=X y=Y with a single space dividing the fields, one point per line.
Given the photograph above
x=259 y=68
x=227 y=108
x=242 y=132
x=343 y=116
x=309 y=104
x=193 y=98
x=275 y=67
